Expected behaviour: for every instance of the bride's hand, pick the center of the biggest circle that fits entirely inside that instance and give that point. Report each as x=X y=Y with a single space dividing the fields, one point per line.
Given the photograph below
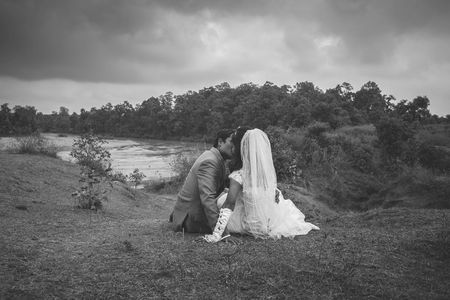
x=211 y=238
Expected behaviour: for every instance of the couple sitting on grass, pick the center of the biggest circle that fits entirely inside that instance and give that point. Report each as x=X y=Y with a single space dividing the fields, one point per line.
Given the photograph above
x=252 y=205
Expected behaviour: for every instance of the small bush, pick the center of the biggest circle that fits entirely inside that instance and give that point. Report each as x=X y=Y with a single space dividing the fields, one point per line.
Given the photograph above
x=435 y=139
x=182 y=163
x=359 y=152
x=363 y=133
x=136 y=177
x=118 y=176
x=283 y=155
x=88 y=150
x=316 y=131
x=169 y=186
x=33 y=144
x=435 y=158
x=95 y=164
x=417 y=187
x=396 y=140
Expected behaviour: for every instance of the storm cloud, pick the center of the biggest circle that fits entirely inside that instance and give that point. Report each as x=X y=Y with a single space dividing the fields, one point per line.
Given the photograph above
x=109 y=50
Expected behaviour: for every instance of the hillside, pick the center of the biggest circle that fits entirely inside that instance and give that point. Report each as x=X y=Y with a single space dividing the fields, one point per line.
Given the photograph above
x=50 y=249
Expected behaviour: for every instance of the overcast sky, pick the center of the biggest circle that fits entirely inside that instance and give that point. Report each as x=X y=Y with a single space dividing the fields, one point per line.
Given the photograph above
x=85 y=53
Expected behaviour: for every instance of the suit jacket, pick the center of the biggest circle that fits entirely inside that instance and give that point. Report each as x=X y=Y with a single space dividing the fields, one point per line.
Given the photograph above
x=203 y=184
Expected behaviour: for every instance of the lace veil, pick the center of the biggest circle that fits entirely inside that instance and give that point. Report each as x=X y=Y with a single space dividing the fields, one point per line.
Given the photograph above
x=259 y=183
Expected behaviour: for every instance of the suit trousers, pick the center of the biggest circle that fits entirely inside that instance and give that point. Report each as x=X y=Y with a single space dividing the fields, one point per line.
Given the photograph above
x=193 y=226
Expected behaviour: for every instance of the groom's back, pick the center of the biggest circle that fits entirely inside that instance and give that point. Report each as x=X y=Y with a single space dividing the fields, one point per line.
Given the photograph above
x=189 y=198
x=190 y=190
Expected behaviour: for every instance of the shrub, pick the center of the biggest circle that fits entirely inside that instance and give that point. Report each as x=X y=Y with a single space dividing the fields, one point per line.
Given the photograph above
x=118 y=176
x=347 y=190
x=363 y=133
x=320 y=152
x=33 y=144
x=316 y=131
x=136 y=177
x=163 y=186
x=396 y=141
x=182 y=163
x=283 y=155
x=95 y=164
x=433 y=138
x=339 y=165
x=359 y=152
x=435 y=158
x=88 y=150
x=416 y=187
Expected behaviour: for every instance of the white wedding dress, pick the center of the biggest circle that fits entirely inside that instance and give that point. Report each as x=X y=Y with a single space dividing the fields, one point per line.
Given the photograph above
x=275 y=218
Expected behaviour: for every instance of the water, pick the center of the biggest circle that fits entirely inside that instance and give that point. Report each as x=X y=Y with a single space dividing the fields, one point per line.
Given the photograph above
x=151 y=157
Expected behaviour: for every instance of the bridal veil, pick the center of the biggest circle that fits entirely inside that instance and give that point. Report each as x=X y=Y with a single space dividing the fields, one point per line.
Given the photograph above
x=259 y=184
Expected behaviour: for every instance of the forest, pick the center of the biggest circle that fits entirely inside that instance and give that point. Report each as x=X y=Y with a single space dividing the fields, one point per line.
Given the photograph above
x=354 y=148
x=198 y=115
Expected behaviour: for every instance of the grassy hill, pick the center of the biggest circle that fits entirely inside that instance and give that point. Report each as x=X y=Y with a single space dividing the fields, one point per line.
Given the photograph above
x=50 y=249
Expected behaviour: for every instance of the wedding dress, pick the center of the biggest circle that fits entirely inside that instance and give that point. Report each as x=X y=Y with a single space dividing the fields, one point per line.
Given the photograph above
x=282 y=218
x=261 y=209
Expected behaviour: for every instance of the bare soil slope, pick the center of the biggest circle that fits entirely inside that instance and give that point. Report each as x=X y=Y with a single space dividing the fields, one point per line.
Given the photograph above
x=50 y=249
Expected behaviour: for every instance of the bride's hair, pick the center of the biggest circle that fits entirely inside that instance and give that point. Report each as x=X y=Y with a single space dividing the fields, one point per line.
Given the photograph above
x=236 y=138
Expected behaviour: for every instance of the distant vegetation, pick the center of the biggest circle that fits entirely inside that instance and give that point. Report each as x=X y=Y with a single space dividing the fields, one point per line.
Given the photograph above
x=33 y=143
x=200 y=114
x=355 y=149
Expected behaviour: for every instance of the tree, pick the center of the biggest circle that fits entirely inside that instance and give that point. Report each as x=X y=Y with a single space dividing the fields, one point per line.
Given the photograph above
x=6 y=127
x=164 y=116
x=419 y=108
x=62 y=122
x=370 y=101
x=395 y=138
x=122 y=118
x=415 y=111
x=24 y=119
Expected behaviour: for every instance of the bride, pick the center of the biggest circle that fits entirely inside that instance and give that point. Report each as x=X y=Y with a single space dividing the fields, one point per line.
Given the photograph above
x=253 y=204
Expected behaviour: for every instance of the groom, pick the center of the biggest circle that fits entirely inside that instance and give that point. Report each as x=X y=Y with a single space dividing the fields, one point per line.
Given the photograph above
x=196 y=210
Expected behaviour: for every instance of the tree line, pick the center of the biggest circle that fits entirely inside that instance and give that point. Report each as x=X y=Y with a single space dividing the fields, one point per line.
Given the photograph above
x=198 y=115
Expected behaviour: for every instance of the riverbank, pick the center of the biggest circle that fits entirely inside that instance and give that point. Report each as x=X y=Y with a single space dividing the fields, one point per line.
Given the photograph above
x=50 y=249
x=151 y=157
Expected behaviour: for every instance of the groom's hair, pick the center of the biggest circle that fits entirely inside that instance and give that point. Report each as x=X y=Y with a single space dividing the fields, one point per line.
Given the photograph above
x=223 y=135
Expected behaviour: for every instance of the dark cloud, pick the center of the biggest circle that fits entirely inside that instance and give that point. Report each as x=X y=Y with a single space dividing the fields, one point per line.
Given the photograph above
x=371 y=30
x=87 y=40
x=195 y=43
x=122 y=41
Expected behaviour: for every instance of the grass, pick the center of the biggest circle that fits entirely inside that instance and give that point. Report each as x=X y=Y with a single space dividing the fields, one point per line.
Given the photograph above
x=49 y=249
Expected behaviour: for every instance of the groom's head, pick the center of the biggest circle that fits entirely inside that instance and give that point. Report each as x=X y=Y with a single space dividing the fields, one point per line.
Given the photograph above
x=223 y=143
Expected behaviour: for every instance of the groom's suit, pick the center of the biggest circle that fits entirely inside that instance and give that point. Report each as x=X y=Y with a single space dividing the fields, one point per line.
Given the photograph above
x=196 y=209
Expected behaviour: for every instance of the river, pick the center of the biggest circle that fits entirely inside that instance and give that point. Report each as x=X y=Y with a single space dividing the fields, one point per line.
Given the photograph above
x=151 y=157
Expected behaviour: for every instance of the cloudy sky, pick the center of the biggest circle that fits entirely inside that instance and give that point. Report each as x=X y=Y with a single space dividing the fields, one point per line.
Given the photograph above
x=81 y=54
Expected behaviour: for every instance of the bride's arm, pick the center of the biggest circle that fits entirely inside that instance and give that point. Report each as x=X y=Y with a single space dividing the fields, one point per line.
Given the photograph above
x=233 y=194
x=220 y=230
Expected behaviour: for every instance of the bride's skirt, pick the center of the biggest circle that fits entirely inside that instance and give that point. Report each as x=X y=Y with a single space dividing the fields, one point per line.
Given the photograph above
x=291 y=224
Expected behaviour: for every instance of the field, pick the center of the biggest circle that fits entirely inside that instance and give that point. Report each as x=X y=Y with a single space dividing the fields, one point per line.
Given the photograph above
x=49 y=249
